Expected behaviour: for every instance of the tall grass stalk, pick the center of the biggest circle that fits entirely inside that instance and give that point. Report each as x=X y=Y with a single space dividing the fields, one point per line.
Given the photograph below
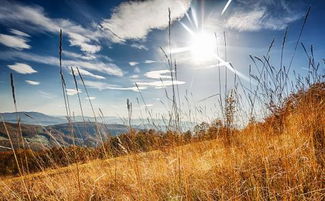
x=78 y=94
x=63 y=83
x=98 y=131
x=150 y=119
x=19 y=134
x=67 y=107
x=129 y=108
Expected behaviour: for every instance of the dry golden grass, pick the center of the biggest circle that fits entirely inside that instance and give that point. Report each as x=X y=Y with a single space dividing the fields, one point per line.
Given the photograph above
x=258 y=166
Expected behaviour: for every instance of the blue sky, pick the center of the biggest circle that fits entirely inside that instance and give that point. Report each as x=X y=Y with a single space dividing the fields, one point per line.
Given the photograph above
x=117 y=44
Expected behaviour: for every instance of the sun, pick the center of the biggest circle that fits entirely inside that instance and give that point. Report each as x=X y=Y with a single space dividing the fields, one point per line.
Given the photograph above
x=202 y=46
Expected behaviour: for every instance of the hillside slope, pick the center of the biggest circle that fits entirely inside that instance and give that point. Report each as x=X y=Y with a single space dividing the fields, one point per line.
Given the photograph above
x=278 y=167
x=282 y=158
x=40 y=137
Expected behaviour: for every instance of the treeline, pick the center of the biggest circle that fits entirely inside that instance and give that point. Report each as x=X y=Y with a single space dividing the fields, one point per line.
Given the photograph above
x=132 y=142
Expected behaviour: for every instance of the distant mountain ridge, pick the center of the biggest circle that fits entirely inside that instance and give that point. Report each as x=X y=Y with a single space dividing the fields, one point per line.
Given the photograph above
x=37 y=118
x=39 y=137
x=32 y=118
x=41 y=130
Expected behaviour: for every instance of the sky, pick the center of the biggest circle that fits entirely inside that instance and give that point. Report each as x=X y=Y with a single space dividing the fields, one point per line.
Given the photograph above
x=116 y=44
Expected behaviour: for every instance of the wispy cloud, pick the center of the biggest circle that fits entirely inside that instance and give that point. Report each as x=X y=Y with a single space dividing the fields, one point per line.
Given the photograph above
x=139 y=46
x=72 y=92
x=108 y=68
x=17 y=42
x=31 y=82
x=78 y=56
x=133 y=63
x=102 y=86
x=251 y=15
x=149 y=61
x=22 y=68
x=47 y=94
x=125 y=23
x=130 y=19
x=34 y=19
x=134 y=76
x=246 y=21
x=160 y=84
x=86 y=56
x=19 y=33
x=89 y=74
x=90 y=98
x=257 y=20
x=158 y=74
x=84 y=42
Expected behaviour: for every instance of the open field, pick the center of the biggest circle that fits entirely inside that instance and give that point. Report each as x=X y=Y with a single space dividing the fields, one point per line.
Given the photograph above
x=273 y=168
x=257 y=165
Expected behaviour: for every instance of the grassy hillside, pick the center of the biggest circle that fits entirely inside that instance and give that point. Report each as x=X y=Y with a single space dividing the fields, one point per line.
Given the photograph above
x=43 y=137
x=281 y=158
x=36 y=137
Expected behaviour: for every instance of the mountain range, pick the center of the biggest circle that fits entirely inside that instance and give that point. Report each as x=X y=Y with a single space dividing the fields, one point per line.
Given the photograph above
x=32 y=118
x=36 y=118
x=43 y=131
x=38 y=137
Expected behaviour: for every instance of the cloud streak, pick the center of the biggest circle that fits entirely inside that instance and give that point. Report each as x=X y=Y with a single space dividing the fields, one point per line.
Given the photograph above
x=158 y=74
x=139 y=46
x=107 y=68
x=78 y=56
x=149 y=61
x=31 y=82
x=160 y=84
x=22 y=68
x=72 y=92
x=257 y=20
x=103 y=86
x=17 y=42
x=90 y=98
x=89 y=74
x=19 y=33
x=133 y=63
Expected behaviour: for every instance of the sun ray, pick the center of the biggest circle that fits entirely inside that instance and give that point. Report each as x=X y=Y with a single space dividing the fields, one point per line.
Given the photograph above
x=229 y=67
x=194 y=17
x=186 y=13
x=188 y=18
x=226 y=7
x=187 y=29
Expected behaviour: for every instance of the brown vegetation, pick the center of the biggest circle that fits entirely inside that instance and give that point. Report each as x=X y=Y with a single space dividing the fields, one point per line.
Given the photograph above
x=258 y=165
